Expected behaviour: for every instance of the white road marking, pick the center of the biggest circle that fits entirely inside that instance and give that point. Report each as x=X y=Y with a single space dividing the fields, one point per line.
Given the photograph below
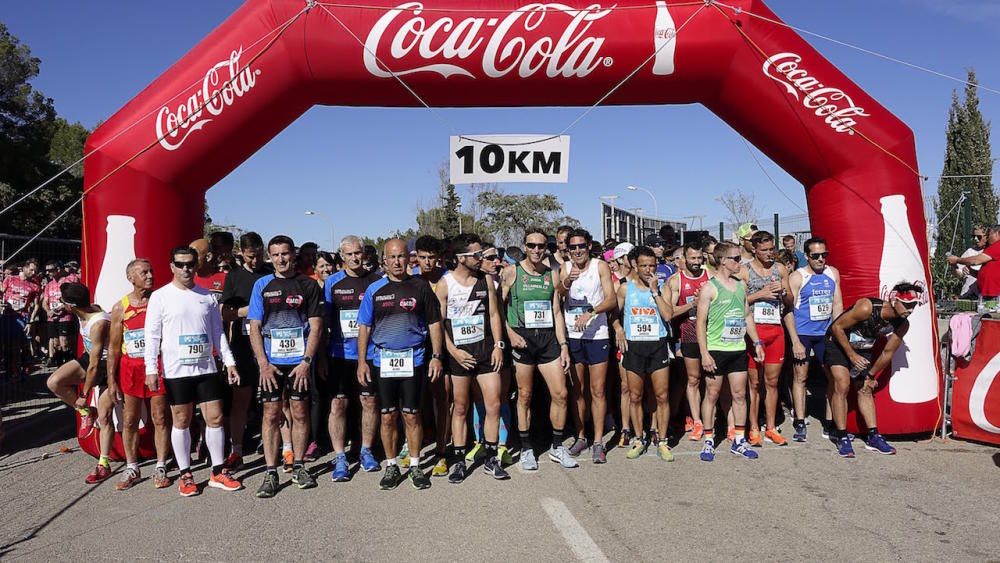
x=576 y=536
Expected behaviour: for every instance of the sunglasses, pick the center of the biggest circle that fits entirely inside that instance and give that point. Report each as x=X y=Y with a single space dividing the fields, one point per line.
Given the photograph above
x=978 y=237
x=818 y=255
x=184 y=265
x=733 y=258
x=491 y=257
x=535 y=245
x=478 y=255
x=578 y=246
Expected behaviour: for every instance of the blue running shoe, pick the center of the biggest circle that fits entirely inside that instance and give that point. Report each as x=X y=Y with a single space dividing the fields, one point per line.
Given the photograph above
x=878 y=444
x=341 y=471
x=743 y=449
x=368 y=462
x=844 y=447
x=708 y=452
x=800 y=432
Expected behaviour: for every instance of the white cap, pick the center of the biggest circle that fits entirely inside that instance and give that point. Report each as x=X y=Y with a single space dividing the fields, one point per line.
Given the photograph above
x=623 y=249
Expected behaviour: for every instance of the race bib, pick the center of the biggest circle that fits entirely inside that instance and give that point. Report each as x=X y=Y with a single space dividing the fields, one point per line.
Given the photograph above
x=693 y=311
x=468 y=330
x=17 y=303
x=766 y=313
x=193 y=349
x=820 y=307
x=538 y=314
x=349 y=324
x=135 y=343
x=56 y=305
x=288 y=343
x=572 y=314
x=643 y=328
x=735 y=330
x=396 y=364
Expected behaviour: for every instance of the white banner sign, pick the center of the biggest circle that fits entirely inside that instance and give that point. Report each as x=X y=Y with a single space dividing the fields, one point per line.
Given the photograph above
x=509 y=158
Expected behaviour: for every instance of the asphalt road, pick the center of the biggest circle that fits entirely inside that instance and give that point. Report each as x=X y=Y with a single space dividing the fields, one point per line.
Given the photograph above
x=932 y=501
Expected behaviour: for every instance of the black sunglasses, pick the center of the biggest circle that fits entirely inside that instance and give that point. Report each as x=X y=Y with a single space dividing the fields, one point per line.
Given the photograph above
x=733 y=258
x=818 y=255
x=978 y=237
x=535 y=245
x=578 y=246
x=184 y=265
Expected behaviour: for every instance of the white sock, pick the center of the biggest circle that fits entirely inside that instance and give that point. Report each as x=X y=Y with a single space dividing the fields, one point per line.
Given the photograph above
x=390 y=461
x=161 y=464
x=134 y=466
x=414 y=461
x=216 y=440
x=180 y=439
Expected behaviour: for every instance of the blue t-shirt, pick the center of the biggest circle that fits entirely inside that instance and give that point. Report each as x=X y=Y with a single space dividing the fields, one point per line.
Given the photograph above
x=343 y=295
x=398 y=314
x=284 y=306
x=664 y=271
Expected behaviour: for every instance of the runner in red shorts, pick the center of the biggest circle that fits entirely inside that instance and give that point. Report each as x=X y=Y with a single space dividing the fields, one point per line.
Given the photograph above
x=768 y=296
x=127 y=367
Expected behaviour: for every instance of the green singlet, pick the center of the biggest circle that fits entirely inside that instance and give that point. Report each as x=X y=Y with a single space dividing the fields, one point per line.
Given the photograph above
x=530 y=304
x=727 y=321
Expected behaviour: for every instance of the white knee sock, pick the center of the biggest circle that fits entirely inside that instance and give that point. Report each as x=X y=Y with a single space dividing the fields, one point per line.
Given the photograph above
x=216 y=440
x=180 y=439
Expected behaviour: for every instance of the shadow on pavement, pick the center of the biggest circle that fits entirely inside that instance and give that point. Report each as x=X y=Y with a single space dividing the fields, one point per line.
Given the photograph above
x=6 y=549
x=49 y=425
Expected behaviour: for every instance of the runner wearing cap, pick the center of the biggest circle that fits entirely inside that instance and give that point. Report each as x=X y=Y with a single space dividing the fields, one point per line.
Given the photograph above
x=744 y=233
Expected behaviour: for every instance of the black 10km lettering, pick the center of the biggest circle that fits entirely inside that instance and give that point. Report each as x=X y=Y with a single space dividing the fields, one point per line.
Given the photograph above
x=493 y=159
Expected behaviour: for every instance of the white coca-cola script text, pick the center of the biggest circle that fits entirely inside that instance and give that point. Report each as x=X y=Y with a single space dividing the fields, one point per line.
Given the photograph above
x=832 y=104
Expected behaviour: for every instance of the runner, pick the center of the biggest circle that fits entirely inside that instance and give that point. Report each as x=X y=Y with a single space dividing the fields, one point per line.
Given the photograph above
x=397 y=315
x=664 y=269
x=536 y=330
x=236 y=292
x=20 y=294
x=589 y=296
x=645 y=310
x=788 y=242
x=816 y=298
x=561 y=255
x=623 y=256
x=60 y=321
x=848 y=356
x=127 y=367
x=184 y=326
x=286 y=325
x=471 y=317
x=744 y=233
x=209 y=275
x=686 y=285
x=767 y=294
x=723 y=322
x=221 y=244
x=429 y=254
x=90 y=371
x=344 y=292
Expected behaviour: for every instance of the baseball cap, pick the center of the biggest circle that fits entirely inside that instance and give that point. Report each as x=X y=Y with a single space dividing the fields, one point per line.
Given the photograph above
x=622 y=250
x=654 y=240
x=746 y=230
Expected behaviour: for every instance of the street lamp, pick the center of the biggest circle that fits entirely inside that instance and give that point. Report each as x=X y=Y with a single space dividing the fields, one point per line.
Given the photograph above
x=333 y=239
x=614 y=224
x=656 y=208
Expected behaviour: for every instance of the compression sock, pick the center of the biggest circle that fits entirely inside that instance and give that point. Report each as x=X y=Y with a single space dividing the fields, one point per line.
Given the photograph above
x=180 y=439
x=215 y=439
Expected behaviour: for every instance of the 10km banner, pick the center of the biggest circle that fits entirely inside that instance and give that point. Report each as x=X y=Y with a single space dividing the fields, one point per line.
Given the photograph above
x=509 y=158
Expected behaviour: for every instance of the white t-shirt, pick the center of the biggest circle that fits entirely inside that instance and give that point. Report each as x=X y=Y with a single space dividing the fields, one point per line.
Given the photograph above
x=969 y=281
x=184 y=326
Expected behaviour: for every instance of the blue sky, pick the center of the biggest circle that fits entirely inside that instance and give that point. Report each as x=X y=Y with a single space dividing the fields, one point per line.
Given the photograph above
x=97 y=55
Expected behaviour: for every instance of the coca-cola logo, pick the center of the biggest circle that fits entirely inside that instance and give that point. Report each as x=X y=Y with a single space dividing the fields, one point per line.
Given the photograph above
x=219 y=90
x=494 y=43
x=836 y=108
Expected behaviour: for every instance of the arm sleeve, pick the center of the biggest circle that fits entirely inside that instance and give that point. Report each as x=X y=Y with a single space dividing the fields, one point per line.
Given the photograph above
x=219 y=341
x=256 y=309
x=153 y=334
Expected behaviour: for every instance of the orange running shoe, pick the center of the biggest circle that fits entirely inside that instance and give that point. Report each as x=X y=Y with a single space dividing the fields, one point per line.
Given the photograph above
x=731 y=433
x=754 y=438
x=224 y=480
x=688 y=424
x=772 y=435
x=697 y=431
x=186 y=486
x=289 y=459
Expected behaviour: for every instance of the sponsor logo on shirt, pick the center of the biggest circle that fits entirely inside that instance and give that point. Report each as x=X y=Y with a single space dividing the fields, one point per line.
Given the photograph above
x=389 y=297
x=271 y=294
x=294 y=301
x=343 y=292
x=408 y=303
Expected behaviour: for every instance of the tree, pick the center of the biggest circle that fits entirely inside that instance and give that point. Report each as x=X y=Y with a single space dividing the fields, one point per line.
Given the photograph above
x=967 y=153
x=507 y=216
x=740 y=208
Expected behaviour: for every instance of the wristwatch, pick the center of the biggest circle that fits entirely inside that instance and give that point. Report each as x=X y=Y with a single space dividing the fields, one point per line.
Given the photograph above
x=307 y=360
x=500 y=344
x=758 y=343
x=435 y=356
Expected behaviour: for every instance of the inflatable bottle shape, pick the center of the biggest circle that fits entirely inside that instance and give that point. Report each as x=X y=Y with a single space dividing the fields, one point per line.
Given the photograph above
x=914 y=372
x=120 y=250
x=663 y=40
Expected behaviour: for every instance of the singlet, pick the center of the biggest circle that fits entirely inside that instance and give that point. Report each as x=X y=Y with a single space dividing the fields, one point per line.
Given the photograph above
x=727 y=323
x=814 y=303
x=585 y=294
x=284 y=306
x=863 y=335
x=398 y=313
x=687 y=287
x=133 y=329
x=87 y=325
x=343 y=295
x=642 y=318
x=530 y=303
x=468 y=319
x=767 y=311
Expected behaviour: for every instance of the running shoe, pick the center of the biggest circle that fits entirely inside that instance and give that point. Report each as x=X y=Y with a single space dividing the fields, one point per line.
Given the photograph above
x=391 y=478
x=528 y=460
x=503 y=454
x=303 y=479
x=688 y=424
x=707 y=452
x=638 y=448
x=98 y=475
x=562 y=456
x=129 y=478
x=186 y=486
x=368 y=462
x=579 y=446
x=828 y=430
x=800 y=432
x=494 y=468
x=457 y=472
x=160 y=479
x=419 y=479
x=288 y=460
x=697 y=431
x=598 y=453
x=743 y=449
x=844 y=447
x=663 y=450
x=404 y=456
x=234 y=461
x=754 y=438
x=772 y=435
x=878 y=444
x=312 y=452
x=341 y=470
x=224 y=480
x=625 y=438
x=477 y=451
x=440 y=468
x=88 y=421
x=731 y=433
x=269 y=487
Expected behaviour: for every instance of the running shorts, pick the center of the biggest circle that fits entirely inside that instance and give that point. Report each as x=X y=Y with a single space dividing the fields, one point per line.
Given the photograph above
x=198 y=389
x=342 y=379
x=727 y=362
x=815 y=346
x=102 y=369
x=285 y=381
x=132 y=378
x=400 y=393
x=773 y=337
x=644 y=358
x=691 y=350
x=543 y=347
x=588 y=352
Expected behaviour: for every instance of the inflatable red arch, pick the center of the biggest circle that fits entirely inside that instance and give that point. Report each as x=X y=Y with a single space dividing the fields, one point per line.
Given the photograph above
x=274 y=59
